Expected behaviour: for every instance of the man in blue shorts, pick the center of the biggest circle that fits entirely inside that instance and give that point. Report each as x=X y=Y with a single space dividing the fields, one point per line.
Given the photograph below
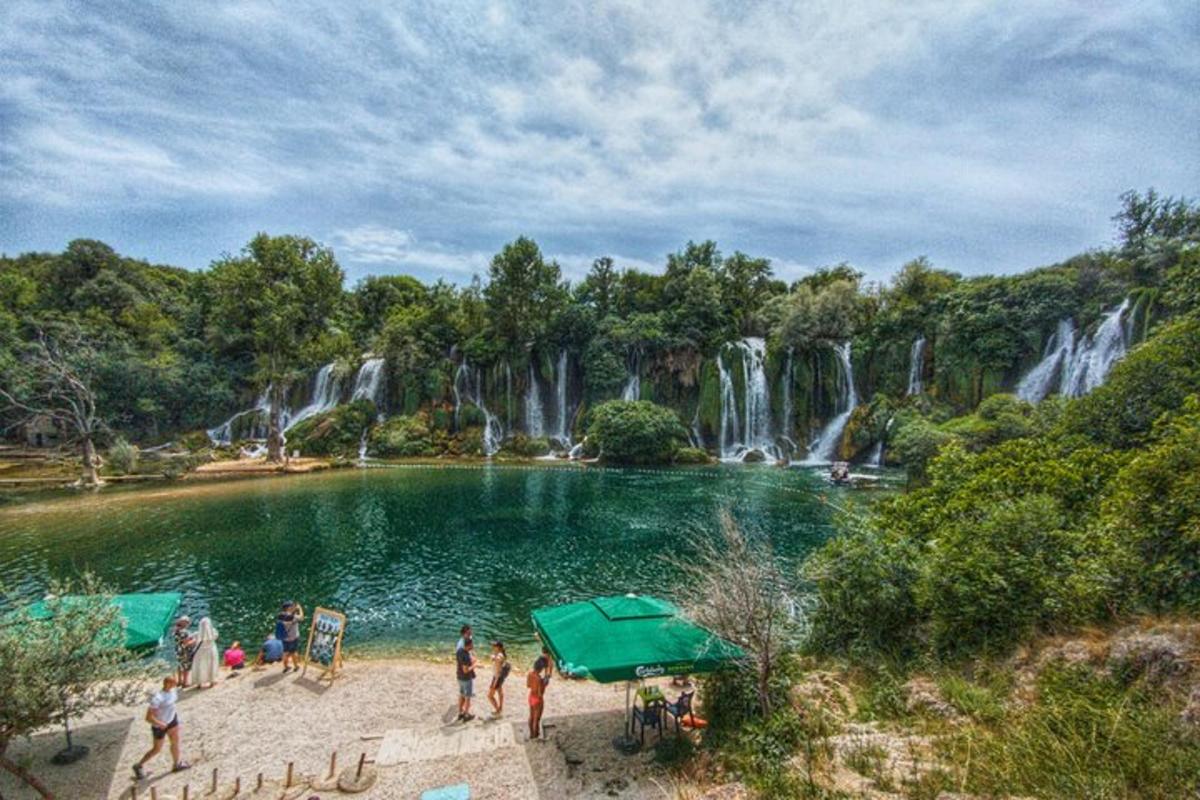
x=464 y=668
x=289 y=618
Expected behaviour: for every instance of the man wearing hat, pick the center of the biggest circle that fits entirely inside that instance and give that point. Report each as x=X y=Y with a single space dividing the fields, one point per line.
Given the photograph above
x=288 y=623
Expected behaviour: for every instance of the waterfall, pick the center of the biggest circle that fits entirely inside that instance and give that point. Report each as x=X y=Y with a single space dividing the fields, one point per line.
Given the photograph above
x=752 y=432
x=222 y=435
x=1052 y=370
x=876 y=457
x=368 y=380
x=1094 y=357
x=470 y=384
x=562 y=431
x=535 y=422
x=325 y=396
x=785 y=429
x=916 y=366
x=824 y=448
x=633 y=386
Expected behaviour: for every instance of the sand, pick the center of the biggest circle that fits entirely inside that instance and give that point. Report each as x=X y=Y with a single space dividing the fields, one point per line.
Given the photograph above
x=261 y=720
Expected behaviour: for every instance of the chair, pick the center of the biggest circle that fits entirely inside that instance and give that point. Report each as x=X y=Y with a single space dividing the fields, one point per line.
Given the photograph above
x=649 y=715
x=680 y=708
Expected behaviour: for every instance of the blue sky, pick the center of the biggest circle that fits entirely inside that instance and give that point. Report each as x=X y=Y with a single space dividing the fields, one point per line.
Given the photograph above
x=990 y=136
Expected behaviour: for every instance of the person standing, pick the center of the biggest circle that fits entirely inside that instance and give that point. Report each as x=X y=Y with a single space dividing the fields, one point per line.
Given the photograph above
x=464 y=668
x=290 y=617
x=464 y=633
x=500 y=670
x=204 y=657
x=164 y=724
x=184 y=642
x=536 y=681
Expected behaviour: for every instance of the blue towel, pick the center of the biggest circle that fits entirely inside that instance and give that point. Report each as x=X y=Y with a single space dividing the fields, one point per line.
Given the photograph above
x=459 y=791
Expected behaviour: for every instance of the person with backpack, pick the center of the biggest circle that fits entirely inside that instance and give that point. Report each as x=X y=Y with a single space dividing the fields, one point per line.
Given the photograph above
x=465 y=663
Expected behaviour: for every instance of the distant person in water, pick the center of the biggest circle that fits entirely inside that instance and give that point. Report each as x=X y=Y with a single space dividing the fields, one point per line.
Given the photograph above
x=500 y=670
x=288 y=622
x=271 y=651
x=164 y=724
x=235 y=657
x=184 y=645
x=536 y=681
x=464 y=669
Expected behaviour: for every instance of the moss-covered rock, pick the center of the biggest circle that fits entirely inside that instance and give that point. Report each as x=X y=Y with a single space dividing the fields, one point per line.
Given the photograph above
x=692 y=455
x=636 y=432
x=335 y=433
x=402 y=437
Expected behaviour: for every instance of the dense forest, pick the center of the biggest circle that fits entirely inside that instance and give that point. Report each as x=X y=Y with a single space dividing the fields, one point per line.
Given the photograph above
x=829 y=366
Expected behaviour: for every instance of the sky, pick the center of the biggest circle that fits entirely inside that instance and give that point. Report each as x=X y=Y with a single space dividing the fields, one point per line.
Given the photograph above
x=989 y=136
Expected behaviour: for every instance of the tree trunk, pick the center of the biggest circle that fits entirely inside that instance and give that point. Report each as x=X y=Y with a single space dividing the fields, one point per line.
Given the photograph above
x=30 y=779
x=274 y=432
x=90 y=477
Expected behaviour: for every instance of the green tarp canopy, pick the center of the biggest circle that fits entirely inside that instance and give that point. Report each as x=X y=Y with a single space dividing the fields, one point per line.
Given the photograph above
x=628 y=638
x=146 y=615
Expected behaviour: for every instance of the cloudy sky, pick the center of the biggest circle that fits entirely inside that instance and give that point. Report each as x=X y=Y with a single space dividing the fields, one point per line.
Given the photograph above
x=991 y=136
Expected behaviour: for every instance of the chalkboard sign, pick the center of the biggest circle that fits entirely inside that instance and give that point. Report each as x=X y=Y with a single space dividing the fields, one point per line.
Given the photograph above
x=325 y=641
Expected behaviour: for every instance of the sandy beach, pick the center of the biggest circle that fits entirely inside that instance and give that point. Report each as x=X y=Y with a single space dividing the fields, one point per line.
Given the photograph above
x=260 y=721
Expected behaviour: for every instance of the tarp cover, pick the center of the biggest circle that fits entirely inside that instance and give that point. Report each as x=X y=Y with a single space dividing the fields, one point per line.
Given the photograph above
x=627 y=638
x=146 y=615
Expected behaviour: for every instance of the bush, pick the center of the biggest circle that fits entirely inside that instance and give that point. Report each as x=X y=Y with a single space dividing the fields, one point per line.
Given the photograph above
x=335 y=433
x=523 y=446
x=636 y=432
x=402 y=437
x=122 y=456
x=918 y=442
x=692 y=455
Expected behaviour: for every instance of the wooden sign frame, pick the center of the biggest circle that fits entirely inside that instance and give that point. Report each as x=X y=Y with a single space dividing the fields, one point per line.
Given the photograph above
x=335 y=662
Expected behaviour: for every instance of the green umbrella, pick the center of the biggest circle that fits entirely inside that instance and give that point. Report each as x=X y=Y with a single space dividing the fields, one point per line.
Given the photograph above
x=629 y=638
x=146 y=615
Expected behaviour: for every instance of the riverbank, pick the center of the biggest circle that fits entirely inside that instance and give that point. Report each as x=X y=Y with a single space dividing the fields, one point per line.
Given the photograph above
x=260 y=721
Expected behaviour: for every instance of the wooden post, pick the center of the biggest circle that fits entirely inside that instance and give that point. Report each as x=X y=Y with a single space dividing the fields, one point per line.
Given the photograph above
x=237 y=785
x=333 y=763
x=153 y=793
x=133 y=792
x=259 y=786
x=185 y=792
x=214 y=783
x=362 y=759
x=288 y=784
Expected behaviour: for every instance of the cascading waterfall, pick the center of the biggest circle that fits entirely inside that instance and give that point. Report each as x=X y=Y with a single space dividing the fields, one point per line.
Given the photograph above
x=222 y=435
x=368 y=381
x=753 y=432
x=785 y=429
x=824 y=448
x=1074 y=366
x=562 y=428
x=1095 y=356
x=326 y=395
x=470 y=384
x=1051 y=371
x=916 y=367
x=535 y=422
x=633 y=386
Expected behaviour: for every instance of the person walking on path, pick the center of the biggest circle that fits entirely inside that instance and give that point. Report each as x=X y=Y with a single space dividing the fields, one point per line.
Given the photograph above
x=184 y=643
x=164 y=724
x=204 y=658
x=464 y=667
x=289 y=617
x=500 y=670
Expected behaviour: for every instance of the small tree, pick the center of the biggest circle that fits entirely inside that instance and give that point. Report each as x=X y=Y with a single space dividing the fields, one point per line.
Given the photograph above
x=54 y=378
x=738 y=592
x=62 y=665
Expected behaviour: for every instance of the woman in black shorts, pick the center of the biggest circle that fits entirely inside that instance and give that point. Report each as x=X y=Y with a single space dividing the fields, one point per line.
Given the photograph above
x=500 y=670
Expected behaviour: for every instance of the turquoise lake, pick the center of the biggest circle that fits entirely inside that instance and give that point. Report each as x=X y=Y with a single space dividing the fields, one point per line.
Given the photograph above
x=408 y=552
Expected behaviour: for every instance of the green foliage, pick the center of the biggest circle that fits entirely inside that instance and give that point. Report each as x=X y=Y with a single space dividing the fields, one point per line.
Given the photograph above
x=692 y=455
x=918 y=442
x=636 y=432
x=337 y=432
x=523 y=446
x=523 y=294
x=402 y=437
x=1084 y=736
x=122 y=456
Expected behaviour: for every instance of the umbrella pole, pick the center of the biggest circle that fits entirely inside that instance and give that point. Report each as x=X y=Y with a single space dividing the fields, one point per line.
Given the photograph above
x=625 y=742
x=628 y=722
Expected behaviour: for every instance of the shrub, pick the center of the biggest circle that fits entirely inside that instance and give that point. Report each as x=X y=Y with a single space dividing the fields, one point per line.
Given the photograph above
x=335 y=433
x=692 y=455
x=122 y=456
x=524 y=446
x=402 y=437
x=918 y=442
x=636 y=432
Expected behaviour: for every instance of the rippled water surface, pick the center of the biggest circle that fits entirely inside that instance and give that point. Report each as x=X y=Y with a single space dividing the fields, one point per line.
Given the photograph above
x=408 y=552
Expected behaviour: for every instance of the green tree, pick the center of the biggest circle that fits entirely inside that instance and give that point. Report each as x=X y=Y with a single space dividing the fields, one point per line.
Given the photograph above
x=600 y=286
x=635 y=432
x=524 y=293
x=275 y=301
x=746 y=287
x=63 y=666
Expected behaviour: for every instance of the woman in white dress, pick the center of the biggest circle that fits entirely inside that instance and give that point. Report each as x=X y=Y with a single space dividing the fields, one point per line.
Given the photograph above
x=204 y=661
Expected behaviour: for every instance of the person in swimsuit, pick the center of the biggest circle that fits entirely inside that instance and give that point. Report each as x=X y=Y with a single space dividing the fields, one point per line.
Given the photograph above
x=500 y=670
x=536 y=681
